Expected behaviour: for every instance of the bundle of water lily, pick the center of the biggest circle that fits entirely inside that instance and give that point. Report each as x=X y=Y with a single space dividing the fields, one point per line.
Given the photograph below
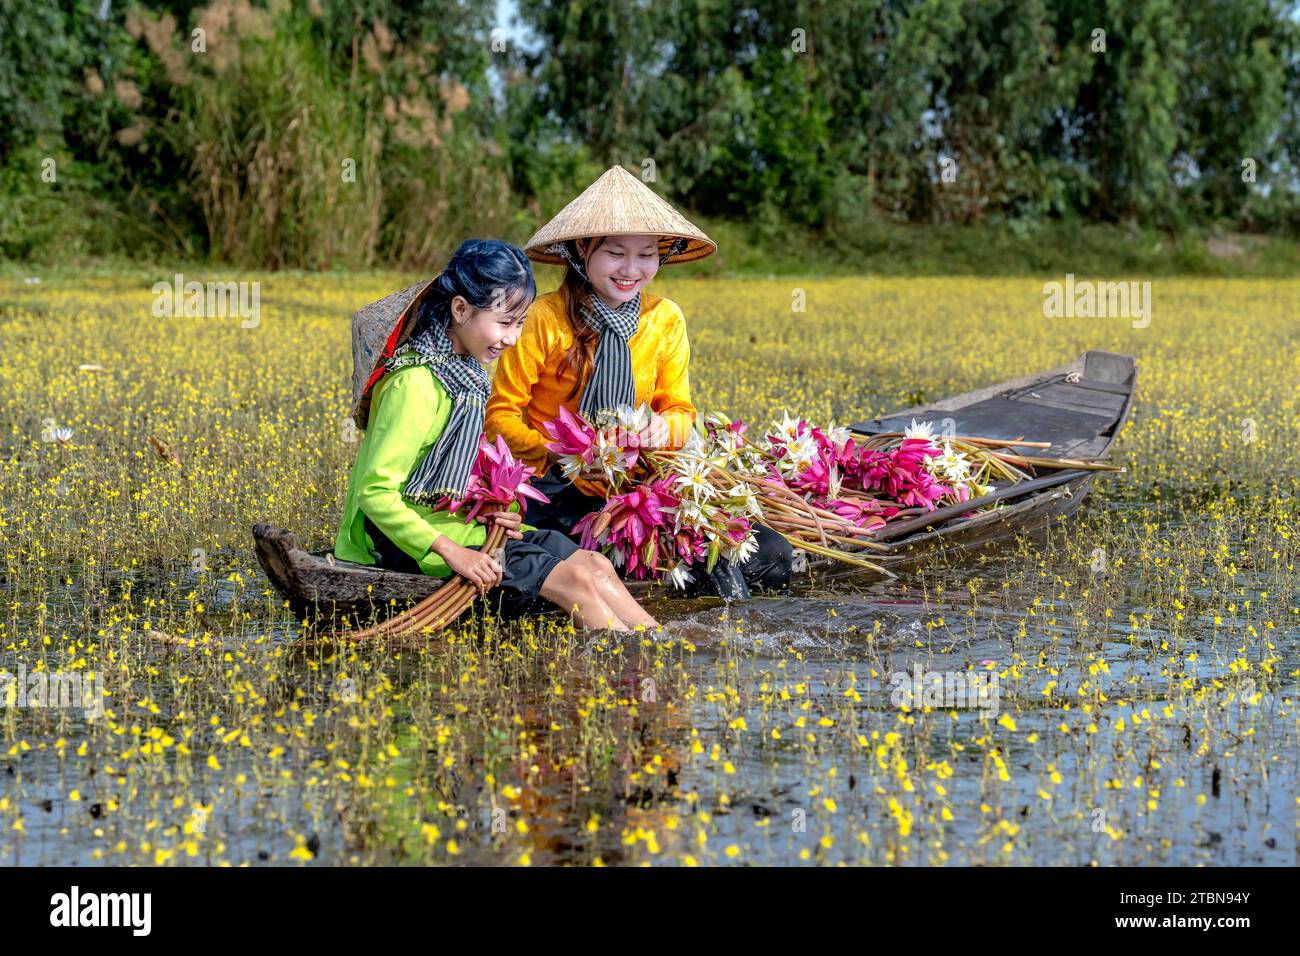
x=669 y=514
x=497 y=481
x=829 y=492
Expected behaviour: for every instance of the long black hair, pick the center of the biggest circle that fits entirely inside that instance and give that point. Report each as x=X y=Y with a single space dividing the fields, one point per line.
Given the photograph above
x=487 y=273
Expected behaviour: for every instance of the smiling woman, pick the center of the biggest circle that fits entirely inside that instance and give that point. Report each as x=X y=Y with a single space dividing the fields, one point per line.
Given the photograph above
x=619 y=265
x=602 y=341
x=422 y=408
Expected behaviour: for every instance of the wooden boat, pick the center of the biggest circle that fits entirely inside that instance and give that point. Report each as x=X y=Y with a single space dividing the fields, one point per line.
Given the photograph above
x=1080 y=408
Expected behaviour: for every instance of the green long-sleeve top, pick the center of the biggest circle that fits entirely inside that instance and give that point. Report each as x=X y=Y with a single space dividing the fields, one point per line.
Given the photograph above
x=408 y=413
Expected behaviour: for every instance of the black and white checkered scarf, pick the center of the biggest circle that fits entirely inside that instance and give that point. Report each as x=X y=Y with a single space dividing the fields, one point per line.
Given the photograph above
x=611 y=382
x=446 y=469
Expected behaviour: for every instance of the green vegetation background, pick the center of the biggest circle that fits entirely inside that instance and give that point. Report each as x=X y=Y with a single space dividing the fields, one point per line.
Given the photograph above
x=1143 y=136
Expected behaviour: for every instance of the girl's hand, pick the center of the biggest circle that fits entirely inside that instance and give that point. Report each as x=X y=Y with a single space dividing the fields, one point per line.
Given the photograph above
x=479 y=569
x=656 y=434
x=510 y=520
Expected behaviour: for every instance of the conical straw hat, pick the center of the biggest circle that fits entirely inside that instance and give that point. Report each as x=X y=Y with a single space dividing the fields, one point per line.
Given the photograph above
x=619 y=204
x=378 y=331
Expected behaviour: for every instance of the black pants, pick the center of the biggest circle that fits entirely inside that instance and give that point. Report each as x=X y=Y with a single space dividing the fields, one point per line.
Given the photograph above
x=526 y=564
x=768 y=569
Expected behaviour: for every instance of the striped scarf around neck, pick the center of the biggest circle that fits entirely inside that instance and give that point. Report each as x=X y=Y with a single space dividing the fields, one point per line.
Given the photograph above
x=611 y=382
x=445 y=471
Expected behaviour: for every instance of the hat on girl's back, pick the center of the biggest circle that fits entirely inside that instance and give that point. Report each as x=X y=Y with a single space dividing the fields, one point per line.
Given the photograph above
x=378 y=330
x=619 y=204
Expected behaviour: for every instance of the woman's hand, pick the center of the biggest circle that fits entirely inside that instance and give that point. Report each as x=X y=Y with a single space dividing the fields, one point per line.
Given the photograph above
x=510 y=520
x=593 y=472
x=479 y=569
x=657 y=433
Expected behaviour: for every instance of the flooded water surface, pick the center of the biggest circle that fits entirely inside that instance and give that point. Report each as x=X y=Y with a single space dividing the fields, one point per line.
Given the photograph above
x=1120 y=689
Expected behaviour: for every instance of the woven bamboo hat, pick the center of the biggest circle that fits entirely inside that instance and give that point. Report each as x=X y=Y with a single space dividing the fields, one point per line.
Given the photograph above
x=619 y=204
x=378 y=331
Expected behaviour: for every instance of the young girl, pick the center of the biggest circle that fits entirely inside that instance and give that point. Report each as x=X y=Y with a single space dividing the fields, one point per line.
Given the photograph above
x=602 y=340
x=423 y=414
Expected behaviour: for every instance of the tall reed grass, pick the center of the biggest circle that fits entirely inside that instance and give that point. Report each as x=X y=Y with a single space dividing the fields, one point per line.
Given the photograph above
x=295 y=164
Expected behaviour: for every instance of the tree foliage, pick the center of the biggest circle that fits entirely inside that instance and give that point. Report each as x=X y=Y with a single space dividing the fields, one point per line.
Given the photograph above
x=1161 y=113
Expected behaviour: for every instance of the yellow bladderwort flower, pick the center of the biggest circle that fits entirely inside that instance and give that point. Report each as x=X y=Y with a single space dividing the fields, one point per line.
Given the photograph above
x=131 y=518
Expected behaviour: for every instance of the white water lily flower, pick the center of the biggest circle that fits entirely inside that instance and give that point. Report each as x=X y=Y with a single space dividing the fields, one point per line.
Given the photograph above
x=572 y=466
x=787 y=429
x=749 y=500
x=679 y=575
x=686 y=514
x=953 y=465
x=919 y=430
x=750 y=463
x=725 y=443
x=625 y=417
x=839 y=436
x=622 y=424
x=694 y=480
x=804 y=448
x=799 y=454
x=608 y=457
x=788 y=467
x=634 y=418
x=742 y=552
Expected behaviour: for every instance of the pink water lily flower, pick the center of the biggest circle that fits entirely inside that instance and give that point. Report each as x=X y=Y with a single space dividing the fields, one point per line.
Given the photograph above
x=572 y=435
x=497 y=480
x=829 y=449
x=691 y=545
x=817 y=478
x=921 y=491
x=738 y=528
x=630 y=524
x=864 y=512
x=911 y=454
x=868 y=469
x=716 y=422
x=846 y=455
